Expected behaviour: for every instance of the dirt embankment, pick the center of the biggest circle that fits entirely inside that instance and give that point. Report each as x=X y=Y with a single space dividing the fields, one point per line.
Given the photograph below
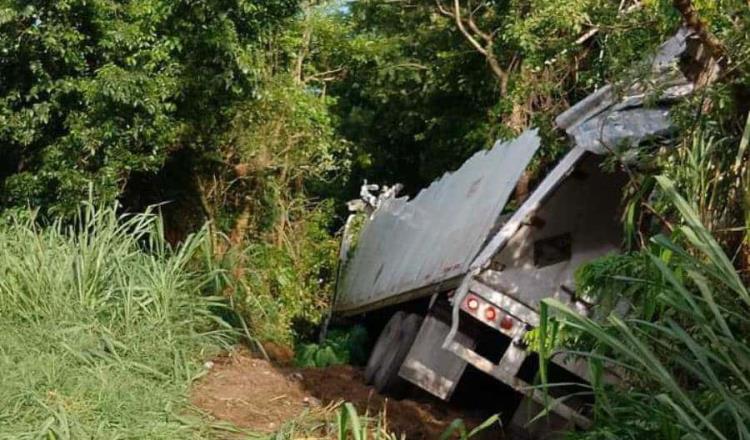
x=253 y=394
x=249 y=393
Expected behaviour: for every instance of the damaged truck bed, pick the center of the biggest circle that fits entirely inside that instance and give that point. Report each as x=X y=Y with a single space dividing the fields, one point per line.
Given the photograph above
x=486 y=268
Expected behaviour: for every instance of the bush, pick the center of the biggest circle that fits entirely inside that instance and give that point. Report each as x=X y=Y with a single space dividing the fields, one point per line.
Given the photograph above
x=102 y=328
x=94 y=91
x=281 y=286
x=343 y=346
x=274 y=204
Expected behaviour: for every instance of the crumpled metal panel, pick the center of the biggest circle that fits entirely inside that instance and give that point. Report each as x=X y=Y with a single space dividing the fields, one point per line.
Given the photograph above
x=611 y=118
x=412 y=244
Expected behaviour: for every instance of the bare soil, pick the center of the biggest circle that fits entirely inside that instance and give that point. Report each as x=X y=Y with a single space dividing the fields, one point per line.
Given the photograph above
x=249 y=393
x=417 y=419
x=256 y=395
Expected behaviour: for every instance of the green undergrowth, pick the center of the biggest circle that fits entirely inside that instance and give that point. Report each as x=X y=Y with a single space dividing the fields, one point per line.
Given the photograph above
x=342 y=421
x=681 y=347
x=339 y=421
x=284 y=285
x=342 y=346
x=103 y=326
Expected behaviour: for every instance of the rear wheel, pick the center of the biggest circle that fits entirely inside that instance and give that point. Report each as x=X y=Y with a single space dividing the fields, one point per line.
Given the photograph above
x=382 y=346
x=386 y=379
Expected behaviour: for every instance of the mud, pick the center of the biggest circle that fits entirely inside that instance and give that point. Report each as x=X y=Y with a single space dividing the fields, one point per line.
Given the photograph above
x=416 y=419
x=254 y=394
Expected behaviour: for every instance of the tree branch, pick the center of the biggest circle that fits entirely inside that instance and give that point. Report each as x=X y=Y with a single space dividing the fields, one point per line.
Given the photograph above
x=472 y=33
x=329 y=75
x=473 y=26
x=693 y=21
x=462 y=28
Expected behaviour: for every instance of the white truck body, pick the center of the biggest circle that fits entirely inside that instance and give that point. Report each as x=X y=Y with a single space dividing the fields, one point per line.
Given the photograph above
x=452 y=242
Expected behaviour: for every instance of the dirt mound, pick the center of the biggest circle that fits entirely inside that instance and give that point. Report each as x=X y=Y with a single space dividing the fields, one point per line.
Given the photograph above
x=253 y=394
x=249 y=393
x=423 y=419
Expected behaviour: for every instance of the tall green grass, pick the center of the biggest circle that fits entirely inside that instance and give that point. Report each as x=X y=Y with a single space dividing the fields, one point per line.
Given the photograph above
x=102 y=328
x=686 y=357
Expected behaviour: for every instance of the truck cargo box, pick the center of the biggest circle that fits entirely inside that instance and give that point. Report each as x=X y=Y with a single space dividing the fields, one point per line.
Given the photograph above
x=411 y=248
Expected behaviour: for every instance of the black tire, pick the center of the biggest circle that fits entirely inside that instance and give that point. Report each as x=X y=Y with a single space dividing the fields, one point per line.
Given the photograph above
x=387 y=379
x=386 y=339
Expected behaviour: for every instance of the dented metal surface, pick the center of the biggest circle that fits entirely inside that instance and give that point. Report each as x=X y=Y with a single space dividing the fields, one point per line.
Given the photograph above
x=410 y=244
x=629 y=114
x=412 y=248
x=450 y=236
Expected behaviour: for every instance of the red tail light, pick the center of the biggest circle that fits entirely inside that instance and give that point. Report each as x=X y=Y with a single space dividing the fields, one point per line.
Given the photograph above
x=472 y=303
x=506 y=323
x=490 y=314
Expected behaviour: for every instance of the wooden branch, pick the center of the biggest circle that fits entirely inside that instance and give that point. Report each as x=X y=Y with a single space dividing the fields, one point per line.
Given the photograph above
x=411 y=65
x=329 y=75
x=470 y=31
x=473 y=26
x=585 y=37
x=622 y=10
x=481 y=5
x=442 y=9
x=462 y=28
x=304 y=50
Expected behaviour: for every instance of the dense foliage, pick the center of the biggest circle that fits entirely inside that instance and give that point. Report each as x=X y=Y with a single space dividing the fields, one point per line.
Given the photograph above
x=102 y=328
x=260 y=118
x=93 y=91
x=681 y=347
x=427 y=99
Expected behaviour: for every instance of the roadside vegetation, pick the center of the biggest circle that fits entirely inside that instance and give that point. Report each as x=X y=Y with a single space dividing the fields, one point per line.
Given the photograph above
x=173 y=178
x=672 y=318
x=673 y=315
x=104 y=326
x=344 y=422
x=679 y=347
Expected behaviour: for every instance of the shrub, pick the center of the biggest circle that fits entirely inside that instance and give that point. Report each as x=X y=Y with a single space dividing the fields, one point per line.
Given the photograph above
x=342 y=346
x=94 y=91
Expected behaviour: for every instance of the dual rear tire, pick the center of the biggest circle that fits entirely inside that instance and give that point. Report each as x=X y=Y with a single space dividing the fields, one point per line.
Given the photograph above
x=390 y=351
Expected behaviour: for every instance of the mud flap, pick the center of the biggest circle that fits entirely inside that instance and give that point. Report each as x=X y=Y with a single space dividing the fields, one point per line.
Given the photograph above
x=428 y=365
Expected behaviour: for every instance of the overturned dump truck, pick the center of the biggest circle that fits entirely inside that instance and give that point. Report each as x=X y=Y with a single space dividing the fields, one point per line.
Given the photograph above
x=454 y=266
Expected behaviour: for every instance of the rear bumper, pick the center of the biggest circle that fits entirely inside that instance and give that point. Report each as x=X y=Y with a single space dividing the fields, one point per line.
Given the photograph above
x=508 y=368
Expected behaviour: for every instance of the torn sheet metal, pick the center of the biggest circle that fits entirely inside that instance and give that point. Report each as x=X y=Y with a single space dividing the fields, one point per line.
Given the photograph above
x=610 y=118
x=412 y=244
